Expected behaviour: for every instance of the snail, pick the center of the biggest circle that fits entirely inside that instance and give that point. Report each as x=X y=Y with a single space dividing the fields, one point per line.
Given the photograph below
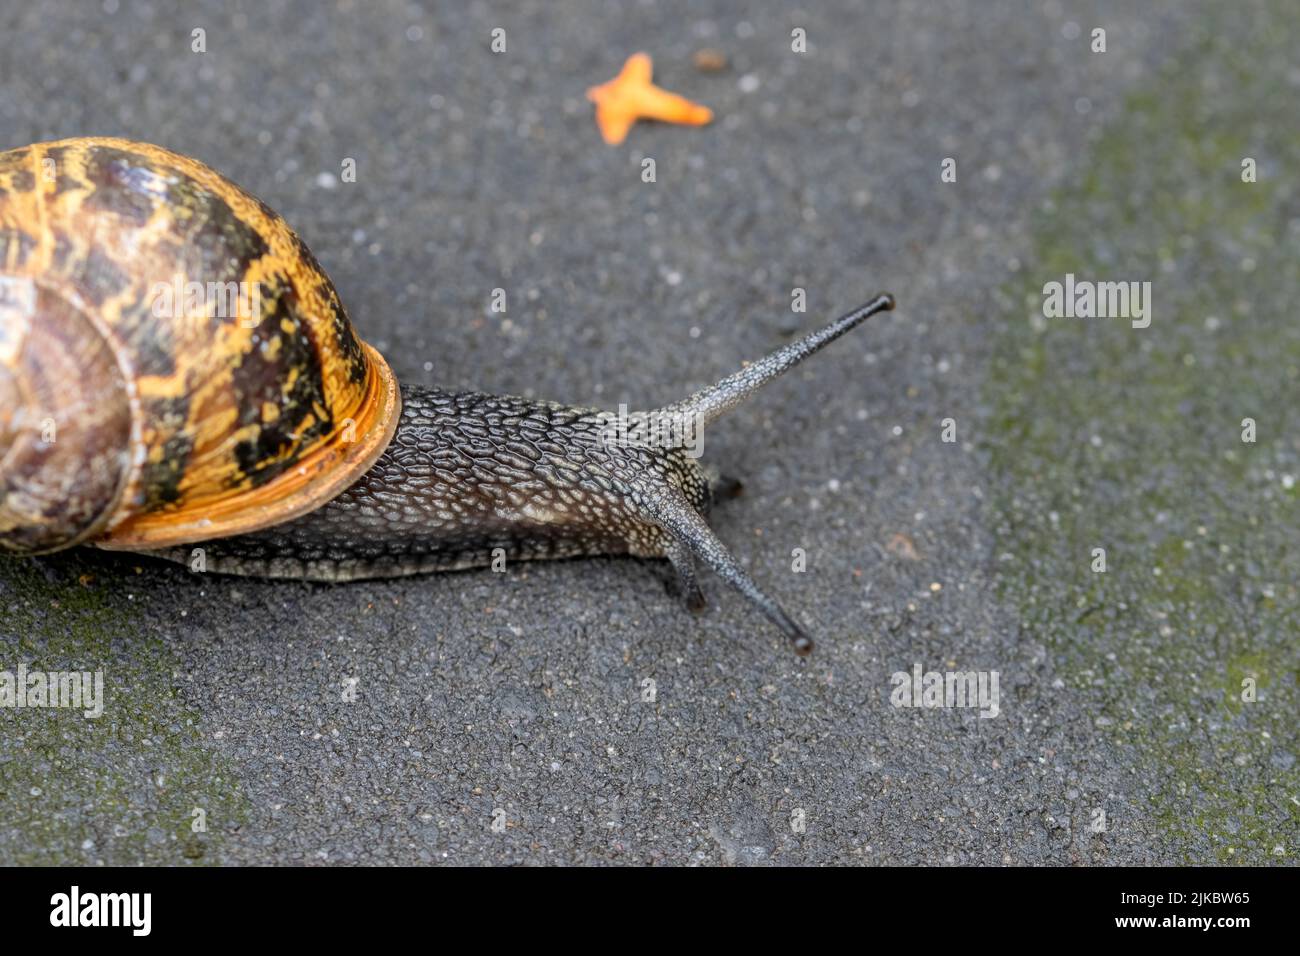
x=176 y=368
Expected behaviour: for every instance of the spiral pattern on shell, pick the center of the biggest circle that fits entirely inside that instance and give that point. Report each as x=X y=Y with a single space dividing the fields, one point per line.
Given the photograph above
x=174 y=363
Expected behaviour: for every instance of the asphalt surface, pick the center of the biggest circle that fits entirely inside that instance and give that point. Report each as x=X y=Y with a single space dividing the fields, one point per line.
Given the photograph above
x=397 y=722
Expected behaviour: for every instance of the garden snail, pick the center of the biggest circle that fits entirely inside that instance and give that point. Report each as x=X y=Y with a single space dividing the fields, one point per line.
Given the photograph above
x=135 y=415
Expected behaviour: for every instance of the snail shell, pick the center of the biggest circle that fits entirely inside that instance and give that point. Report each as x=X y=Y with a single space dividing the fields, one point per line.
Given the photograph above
x=139 y=410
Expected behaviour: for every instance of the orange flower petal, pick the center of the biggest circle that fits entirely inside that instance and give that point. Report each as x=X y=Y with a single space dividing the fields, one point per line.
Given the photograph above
x=631 y=96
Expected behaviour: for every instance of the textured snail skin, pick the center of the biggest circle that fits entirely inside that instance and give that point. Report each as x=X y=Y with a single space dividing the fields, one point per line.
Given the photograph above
x=466 y=474
x=470 y=478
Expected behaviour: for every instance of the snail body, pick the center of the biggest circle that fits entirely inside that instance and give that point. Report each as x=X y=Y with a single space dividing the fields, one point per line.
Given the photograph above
x=140 y=412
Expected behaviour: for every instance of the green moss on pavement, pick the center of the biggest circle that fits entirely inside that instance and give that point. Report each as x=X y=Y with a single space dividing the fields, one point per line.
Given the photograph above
x=121 y=788
x=1106 y=436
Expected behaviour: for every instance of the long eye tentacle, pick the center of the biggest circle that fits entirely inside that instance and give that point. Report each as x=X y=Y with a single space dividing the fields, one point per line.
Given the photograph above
x=673 y=511
x=675 y=514
x=710 y=403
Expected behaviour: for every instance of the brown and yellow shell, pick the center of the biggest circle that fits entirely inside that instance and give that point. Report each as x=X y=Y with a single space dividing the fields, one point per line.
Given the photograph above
x=174 y=363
